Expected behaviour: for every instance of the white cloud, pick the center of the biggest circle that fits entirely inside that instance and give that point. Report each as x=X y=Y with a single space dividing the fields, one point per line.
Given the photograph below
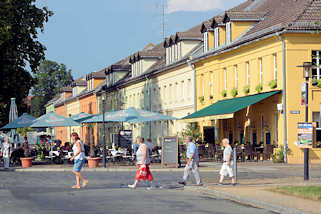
x=193 y=5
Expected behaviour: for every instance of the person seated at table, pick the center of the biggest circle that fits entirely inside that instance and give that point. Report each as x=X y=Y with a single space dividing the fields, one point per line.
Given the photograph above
x=67 y=147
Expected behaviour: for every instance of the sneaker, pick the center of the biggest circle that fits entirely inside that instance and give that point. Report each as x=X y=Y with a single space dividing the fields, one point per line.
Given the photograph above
x=182 y=182
x=131 y=186
x=151 y=188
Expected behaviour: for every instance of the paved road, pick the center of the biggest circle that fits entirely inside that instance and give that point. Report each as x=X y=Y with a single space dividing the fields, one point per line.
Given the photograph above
x=50 y=193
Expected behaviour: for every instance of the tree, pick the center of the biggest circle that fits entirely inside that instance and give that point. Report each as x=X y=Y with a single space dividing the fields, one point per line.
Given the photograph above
x=50 y=78
x=20 y=22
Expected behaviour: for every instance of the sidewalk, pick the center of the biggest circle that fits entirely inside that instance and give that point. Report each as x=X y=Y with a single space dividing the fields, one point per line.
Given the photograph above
x=256 y=192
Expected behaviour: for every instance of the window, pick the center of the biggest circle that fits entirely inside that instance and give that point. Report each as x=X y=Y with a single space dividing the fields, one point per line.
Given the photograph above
x=182 y=88
x=173 y=53
x=248 y=73
x=74 y=91
x=225 y=79
x=316 y=118
x=216 y=38
x=316 y=60
x=203 y=86
x=275 y=70
x=236 y=77
x=179 y=50
x=212 y=84
x=167 y=55
x=141 y=66
x=261 y=70
x=205 y=39
x=189 y=88
x=228 y=33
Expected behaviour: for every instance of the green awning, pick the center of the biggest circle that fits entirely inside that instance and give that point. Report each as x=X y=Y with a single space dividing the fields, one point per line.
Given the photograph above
x=225 y=108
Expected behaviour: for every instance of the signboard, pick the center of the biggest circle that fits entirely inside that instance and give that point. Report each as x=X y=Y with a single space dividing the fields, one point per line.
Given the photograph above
x=125 y=138
x=305 y=135
x=170 y=151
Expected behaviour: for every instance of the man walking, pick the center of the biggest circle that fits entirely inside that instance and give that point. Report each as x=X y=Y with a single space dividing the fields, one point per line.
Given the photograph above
x=191 y=162
x=227 y=167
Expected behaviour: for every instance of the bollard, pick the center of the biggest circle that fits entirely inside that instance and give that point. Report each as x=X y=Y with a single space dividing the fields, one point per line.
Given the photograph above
x=235 y=164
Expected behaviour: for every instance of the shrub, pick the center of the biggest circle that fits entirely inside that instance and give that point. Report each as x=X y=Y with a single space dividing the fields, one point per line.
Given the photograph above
x=259 y=88
x=224 y=93
x=246 y=89
x=273 y=84
x=278 y=156
x=201 y=99
x=234 y=92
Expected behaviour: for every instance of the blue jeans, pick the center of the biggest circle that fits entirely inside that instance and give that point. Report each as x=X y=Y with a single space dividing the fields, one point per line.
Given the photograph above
x=78 y=165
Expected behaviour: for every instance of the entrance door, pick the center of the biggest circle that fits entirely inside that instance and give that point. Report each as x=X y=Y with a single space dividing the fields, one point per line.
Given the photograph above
x=268 y=138
x=209 y=137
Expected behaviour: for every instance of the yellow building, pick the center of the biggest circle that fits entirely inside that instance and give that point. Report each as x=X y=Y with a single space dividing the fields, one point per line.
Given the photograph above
x=248 y=83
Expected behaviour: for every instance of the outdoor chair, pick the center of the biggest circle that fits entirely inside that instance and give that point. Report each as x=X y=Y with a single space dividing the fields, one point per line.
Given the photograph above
x=267 y=153
x=218 y=153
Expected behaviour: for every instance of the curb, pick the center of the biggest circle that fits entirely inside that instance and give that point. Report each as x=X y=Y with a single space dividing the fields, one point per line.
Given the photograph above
x=108 y=169
x=247 y=201
x=105 y=170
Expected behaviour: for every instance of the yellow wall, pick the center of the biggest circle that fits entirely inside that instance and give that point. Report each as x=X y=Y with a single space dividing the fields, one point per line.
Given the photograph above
x=299 y=50
x=97 y=81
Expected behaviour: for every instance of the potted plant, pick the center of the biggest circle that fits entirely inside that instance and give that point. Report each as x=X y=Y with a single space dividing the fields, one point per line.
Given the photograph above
x=246 y=89
x=201 y=99
x=93 y=161
x=314 y=81
x=234 y=92
x=273 y=84
x=224 y=93
x=259 y=88
x=26 y=161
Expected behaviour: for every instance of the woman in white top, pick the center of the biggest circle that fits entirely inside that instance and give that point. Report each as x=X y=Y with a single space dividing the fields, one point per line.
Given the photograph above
x=6 y=152
x=79 y=160
x=143 y=161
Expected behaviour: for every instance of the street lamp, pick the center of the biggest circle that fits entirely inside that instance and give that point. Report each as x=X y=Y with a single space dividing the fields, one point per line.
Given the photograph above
x=307 y=67
x=104 y=134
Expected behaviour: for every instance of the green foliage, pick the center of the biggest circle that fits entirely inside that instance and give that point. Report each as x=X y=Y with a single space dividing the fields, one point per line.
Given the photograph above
x=201 y=99
x=278 y=156
x=50 y=78
x=224 y=93
x=20 y=22
x=319 y=83
x=259 y=88
x=234 y=92
x=23 y=131
x=314 y=81
x=193 y=130
x=273 y=84
x=246 y=89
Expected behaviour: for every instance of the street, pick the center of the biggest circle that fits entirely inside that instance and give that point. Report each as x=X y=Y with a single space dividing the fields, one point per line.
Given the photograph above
x=107 y=192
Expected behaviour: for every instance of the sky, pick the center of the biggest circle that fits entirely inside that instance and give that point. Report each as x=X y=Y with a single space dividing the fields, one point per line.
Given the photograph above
x=88 y=37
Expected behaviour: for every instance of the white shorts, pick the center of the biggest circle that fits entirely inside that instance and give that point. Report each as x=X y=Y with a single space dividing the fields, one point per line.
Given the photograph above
x=227 y=170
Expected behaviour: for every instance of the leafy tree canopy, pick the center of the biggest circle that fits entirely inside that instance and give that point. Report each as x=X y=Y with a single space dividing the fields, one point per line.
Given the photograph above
x=50 y=78
x=20 y=22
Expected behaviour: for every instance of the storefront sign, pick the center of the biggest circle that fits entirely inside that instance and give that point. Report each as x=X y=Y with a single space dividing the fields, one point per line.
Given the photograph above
x=305 y=135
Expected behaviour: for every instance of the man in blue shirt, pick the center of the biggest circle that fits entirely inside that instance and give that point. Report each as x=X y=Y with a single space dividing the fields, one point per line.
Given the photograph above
x=191 y=162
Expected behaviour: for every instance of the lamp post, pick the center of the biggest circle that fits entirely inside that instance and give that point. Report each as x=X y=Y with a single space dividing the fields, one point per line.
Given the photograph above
x=306 y=66
x=104 y=131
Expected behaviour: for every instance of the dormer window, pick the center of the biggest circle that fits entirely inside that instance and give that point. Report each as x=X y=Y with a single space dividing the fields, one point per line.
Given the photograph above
x=216 y=37
x=228 y=33
x=173 y=53
x=167 y=55
x=179 y=50
x=74 y=91
x=205 y=39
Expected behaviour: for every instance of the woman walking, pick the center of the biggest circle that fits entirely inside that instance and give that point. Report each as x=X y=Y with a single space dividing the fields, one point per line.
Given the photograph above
x=79 y=160
x=143 y=161
x=6 y=152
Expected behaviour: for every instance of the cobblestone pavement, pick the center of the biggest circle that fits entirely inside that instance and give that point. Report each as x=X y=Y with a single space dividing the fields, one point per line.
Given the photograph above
x=107 y=192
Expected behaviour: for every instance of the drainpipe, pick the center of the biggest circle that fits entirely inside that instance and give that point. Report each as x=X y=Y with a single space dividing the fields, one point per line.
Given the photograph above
x=194 y=84
x=150 y=105
x=285 y=139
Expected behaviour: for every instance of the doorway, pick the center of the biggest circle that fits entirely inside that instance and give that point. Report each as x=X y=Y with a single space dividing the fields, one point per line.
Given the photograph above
x=209 y=138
